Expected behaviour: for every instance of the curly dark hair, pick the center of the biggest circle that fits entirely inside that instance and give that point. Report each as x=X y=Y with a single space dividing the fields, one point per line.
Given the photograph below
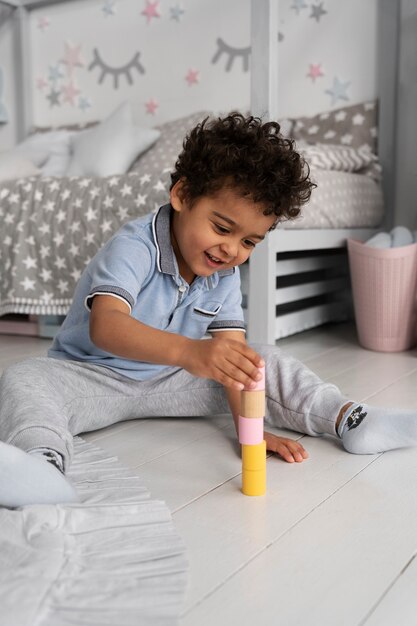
x=247 y=155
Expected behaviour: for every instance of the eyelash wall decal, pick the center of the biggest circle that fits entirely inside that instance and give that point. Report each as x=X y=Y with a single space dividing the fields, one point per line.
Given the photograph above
x=116 y=72
x=233 y=53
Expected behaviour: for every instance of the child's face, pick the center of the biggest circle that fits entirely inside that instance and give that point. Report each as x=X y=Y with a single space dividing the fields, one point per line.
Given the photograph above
x=217 y=233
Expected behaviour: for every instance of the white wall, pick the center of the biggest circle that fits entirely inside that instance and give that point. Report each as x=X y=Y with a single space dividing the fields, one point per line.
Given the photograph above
x=7 y=131
x=340 y=41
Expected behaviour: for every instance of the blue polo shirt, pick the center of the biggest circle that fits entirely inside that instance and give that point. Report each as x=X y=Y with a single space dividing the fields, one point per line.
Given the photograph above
x=138 y=266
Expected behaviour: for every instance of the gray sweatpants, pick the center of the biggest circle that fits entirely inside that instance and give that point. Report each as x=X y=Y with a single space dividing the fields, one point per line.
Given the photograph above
x=45 y=401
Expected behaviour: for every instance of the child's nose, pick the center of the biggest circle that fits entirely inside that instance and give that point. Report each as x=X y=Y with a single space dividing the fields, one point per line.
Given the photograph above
x=230 y=248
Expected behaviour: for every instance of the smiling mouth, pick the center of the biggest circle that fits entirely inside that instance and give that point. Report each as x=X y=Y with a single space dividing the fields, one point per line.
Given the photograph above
x=214 y=259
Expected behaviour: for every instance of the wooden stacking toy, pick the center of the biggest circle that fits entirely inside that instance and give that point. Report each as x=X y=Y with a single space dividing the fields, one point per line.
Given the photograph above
x=251 y=437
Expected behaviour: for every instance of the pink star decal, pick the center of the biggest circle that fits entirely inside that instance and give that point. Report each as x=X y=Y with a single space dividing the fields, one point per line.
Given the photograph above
x=151 y=10
x=43 y=23
x=69 y=93
x=315 y=71
x=72 y=57
x=151 y=106
x=41 y=83
x=192 y=77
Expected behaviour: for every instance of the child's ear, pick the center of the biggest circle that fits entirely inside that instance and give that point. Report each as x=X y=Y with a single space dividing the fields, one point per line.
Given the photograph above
x=177 y=195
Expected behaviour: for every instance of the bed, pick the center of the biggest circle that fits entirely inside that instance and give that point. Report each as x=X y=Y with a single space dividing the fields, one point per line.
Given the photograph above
x=297 y=279
x=274 y=311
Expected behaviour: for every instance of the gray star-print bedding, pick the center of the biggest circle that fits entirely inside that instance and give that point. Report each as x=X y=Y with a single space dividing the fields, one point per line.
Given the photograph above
x=51 y=227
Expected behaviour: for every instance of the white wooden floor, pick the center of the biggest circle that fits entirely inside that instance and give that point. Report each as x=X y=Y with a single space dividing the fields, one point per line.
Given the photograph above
x=333 y=542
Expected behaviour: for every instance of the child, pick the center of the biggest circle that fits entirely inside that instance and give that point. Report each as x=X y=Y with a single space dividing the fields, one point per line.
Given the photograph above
x=133 y=342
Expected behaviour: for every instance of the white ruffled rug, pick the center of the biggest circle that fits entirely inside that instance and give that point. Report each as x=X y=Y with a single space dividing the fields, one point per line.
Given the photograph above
x=113 y=560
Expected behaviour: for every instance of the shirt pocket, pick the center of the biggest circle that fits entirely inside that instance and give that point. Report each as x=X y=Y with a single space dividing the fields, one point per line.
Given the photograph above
x=207 y=312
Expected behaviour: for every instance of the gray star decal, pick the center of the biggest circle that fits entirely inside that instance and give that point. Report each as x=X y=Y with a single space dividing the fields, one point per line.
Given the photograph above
x=317 y=11
x=53 y=97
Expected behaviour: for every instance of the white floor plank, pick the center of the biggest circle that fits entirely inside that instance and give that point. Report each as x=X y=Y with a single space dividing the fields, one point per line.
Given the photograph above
x=401 y=393
x=238 y=528
x=400 y=600
x=143 y=440
x=374 y=375
x=334 y=564
x=317 y=341
x=16 y=348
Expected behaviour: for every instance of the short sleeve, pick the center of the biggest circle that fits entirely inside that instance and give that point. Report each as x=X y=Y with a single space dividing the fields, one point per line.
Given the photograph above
x=120 y=269
x=230 y=317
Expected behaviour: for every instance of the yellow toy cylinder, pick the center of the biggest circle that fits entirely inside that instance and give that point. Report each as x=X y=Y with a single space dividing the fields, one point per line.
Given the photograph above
x=254 y=483
x=254 y=457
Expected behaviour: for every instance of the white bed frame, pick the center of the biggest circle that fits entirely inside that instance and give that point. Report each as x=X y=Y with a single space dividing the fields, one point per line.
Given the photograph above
x=296 y=279
x=299 y=278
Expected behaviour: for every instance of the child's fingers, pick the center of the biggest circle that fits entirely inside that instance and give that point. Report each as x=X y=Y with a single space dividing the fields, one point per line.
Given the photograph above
x=240 y=362
x=290 y=450
x=251 y=355
x=232 y=378
x=242 y=372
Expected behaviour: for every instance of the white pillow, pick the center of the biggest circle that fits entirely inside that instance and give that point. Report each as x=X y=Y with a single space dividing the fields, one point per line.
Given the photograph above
x=110 y=147
x=59 y=155
x=15 y=166
x=39 y=146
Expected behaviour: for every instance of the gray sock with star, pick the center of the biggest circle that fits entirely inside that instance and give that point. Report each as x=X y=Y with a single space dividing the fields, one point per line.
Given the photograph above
x=366 y=429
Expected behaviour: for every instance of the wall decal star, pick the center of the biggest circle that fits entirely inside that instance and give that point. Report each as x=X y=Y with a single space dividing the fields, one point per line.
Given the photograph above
x=151 y=106
x=192 y=77
x=317 y=11
x=55 y=72
x=41 y=83
x=72 y=57
x=69 y=93
x=176 y=13
x=338 y=90
x=151 y=10
x=109 y=8
x=298 y=5
x=53 y=97
x=84 y=103
x=43 y=23
x=315 y=71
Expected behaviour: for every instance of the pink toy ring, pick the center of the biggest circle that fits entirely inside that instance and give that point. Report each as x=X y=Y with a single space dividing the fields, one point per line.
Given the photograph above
x=251 y=430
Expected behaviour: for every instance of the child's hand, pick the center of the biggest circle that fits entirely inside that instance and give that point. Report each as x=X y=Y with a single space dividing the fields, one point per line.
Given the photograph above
x=229 y=362
x=288 y=449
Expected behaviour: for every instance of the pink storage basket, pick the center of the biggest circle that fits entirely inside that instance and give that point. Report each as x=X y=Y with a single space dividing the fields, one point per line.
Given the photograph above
x=384 y=295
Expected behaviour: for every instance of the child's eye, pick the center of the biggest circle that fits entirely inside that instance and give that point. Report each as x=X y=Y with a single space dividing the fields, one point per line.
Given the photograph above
x=249 y=243
x=221 y=229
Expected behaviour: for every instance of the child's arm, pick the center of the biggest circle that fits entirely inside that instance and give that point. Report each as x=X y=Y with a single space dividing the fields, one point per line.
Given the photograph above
x=230 y=362
x=288 y=449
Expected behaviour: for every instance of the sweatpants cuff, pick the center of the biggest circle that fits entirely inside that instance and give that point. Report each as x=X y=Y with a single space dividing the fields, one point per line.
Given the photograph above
x=324 y=410
x=40 y=437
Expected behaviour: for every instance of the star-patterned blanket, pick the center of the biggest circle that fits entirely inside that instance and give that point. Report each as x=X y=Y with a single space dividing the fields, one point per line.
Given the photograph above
x=50 y=228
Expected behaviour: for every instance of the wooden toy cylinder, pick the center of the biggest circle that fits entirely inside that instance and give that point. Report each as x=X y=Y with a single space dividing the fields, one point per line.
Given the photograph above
x=251 y=430
x=254 y=457
x=252 y=403
x=254 y=483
